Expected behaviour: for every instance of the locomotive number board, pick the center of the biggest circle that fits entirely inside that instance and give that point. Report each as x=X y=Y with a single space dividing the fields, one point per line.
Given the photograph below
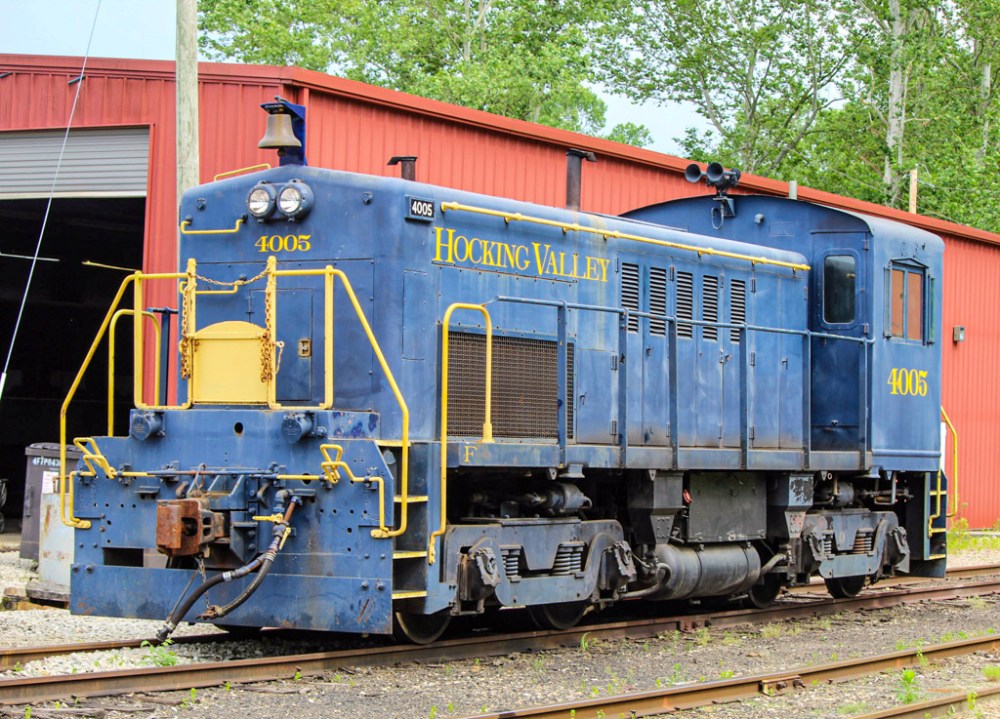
x=419 y=208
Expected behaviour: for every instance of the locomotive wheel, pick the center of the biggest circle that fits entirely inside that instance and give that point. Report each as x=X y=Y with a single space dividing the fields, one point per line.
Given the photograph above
x=419 y=628
x=762 y=594
x=557 y=616
x=844 y=587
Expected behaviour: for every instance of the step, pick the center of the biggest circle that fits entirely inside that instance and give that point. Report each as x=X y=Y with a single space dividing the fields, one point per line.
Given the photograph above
x=415 y=554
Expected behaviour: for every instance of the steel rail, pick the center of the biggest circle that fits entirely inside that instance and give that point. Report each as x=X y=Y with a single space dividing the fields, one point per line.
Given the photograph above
x=11 y=658
x=183 y=677
x=648 y=703
x=952 y=705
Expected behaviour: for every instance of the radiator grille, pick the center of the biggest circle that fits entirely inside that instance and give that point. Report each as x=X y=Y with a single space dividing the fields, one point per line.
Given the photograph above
x=685 y=303
x=710 y=306
x=630 y=294
x=737 y=307
x=657 y=301
x=525 y=386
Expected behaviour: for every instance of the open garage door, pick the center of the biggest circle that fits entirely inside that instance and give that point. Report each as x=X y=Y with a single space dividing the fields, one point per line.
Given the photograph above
x=93 y=238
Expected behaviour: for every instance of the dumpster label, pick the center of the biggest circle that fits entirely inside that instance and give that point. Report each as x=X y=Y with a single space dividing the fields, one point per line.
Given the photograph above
x=50 y=482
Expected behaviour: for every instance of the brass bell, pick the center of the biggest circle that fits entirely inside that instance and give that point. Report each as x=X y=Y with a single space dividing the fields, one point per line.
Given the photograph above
x=279 y=132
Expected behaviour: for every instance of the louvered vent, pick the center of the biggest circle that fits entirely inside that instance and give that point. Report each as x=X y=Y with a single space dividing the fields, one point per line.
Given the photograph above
x=737 y=307
x=685 y=303
x=630 y=294
x=658 y=301
x=710 y=306
x=525 y=386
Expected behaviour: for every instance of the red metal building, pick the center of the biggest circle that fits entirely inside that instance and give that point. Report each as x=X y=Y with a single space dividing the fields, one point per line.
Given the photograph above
x=356 y=127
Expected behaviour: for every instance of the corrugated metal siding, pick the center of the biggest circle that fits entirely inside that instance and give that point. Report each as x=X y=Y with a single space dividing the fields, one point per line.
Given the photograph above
x=93 y=163
x=971 y=381
x=358 y=128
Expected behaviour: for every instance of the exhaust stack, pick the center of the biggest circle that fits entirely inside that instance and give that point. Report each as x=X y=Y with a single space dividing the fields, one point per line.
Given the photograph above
x=408 y=166
x=574 y=174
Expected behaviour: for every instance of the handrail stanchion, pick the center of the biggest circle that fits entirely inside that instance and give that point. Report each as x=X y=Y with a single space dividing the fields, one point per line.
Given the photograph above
x=69 y=519
x=487 y=420
x=111 y=362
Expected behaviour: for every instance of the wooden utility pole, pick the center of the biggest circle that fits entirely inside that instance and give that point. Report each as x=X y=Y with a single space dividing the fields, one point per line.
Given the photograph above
x=187 y=95
x=913 y=191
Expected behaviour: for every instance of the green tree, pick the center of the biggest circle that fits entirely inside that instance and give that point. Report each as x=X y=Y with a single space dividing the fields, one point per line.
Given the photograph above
x=759 y=71
x=519 y=58
x=920 y=95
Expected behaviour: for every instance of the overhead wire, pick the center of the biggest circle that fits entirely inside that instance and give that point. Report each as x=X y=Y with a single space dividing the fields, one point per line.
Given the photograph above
x=78 y=81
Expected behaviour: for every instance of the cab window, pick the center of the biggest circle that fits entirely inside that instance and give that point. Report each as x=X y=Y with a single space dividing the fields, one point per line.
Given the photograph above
x=906 y=294
x=839 y=275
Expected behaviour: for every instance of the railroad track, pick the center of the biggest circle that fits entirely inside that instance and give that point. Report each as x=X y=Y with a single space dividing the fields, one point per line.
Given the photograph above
x=183 y=677
x=663 y=701
x=10 y=658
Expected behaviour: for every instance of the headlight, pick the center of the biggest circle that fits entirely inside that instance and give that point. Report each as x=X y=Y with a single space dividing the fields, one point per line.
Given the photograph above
x=260 y=201
x=295 y=199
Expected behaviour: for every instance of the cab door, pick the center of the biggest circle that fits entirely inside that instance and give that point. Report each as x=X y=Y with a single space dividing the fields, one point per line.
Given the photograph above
x=841 y=317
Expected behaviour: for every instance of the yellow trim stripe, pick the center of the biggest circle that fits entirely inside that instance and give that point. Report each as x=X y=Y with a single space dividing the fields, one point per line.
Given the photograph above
x=574 y=227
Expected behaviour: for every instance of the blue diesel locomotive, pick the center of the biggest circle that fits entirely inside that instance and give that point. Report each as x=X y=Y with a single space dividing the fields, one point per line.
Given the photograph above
x=399 y=403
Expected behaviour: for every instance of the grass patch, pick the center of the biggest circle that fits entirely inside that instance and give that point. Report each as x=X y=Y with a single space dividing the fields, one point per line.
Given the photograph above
x=853 y=708
x=961 y=540
x=772 y=631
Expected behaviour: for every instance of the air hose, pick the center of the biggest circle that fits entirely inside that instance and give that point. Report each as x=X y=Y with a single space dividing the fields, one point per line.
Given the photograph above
x=260 y=564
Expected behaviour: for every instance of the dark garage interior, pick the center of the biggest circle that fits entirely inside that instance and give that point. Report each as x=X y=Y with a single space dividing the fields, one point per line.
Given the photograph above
x=88 y=248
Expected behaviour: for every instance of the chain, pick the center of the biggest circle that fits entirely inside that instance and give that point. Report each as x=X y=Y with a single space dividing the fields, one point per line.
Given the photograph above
x=267 y=346
x=234 y=283
x=187 y=343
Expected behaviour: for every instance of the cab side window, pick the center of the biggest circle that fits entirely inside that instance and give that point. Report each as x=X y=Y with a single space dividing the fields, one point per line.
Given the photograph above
x=839 y=279
x=906 y=297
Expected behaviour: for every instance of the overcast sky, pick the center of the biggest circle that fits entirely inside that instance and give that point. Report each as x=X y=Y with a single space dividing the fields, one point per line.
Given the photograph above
x=145 y=29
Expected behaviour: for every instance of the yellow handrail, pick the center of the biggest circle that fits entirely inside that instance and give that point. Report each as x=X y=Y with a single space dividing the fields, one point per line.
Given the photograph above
x=575 y=227
x=69 y=519
x=271 y=326
x=111 y=363
x=189 y=290
x=230 y=173
x=91 y=454
x=487 y=419
x=954 y=457
x=139 y=368
x=404 y=488
x=331 y=471
x=232 y=231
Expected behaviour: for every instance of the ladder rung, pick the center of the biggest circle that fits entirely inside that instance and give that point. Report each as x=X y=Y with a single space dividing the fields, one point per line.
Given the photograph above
x=389 y=442
x=411 y=594
x=409 y=555
x=413 y=499
x=938 y=556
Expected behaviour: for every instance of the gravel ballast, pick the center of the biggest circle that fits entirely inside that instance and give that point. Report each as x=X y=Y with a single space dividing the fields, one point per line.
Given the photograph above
x=596 y=668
